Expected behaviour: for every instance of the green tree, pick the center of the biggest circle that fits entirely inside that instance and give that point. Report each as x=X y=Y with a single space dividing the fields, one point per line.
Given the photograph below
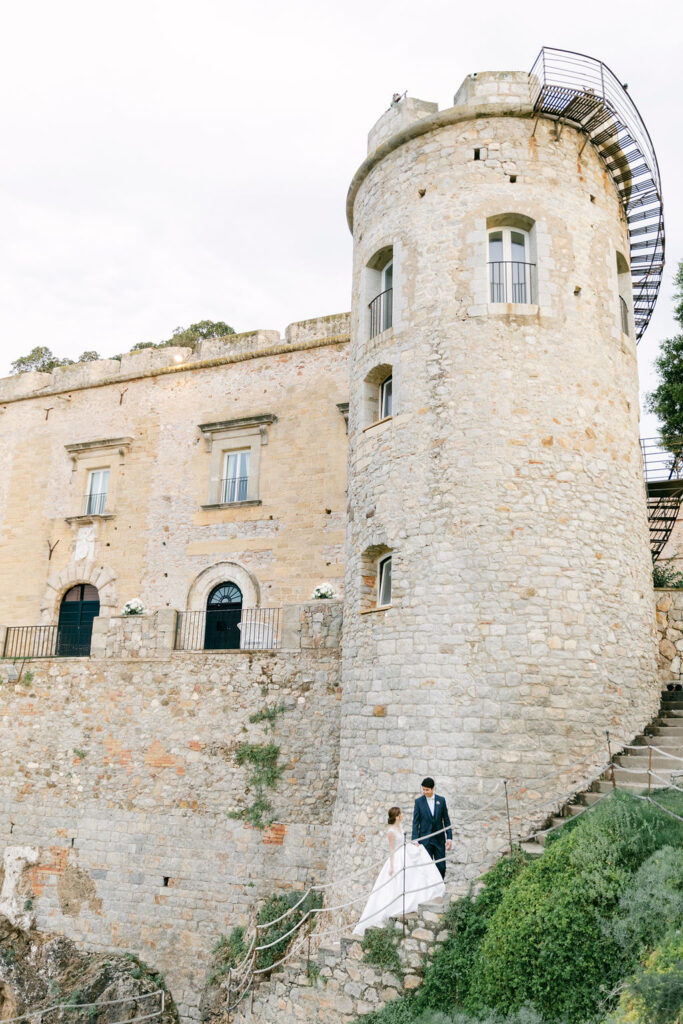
x=190 y=336
x=666 y=401
x=40 y=358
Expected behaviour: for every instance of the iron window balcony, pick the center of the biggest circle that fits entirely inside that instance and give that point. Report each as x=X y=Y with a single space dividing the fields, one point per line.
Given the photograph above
x=511 y=281
x=234 y=488
x=381 y=312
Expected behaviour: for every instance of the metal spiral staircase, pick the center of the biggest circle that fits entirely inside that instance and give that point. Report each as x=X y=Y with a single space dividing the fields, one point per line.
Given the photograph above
x=663 y=468
x=574 y=89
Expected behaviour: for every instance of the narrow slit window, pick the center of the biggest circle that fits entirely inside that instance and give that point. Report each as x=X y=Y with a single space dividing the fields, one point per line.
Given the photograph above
x=385 y=398
x=384 y=581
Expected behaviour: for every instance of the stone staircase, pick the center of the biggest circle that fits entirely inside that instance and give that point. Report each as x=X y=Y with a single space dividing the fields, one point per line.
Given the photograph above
x=341 y=986
x=631 y=773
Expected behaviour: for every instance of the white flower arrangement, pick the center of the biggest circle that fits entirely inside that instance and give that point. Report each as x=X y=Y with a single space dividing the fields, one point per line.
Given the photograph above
x=323 y=592
x=134 y=607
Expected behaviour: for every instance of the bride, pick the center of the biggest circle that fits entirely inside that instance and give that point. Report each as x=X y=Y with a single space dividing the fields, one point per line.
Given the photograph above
x=422 y=879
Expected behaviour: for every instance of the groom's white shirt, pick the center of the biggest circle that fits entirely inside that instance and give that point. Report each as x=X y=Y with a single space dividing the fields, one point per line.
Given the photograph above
x=430 y=803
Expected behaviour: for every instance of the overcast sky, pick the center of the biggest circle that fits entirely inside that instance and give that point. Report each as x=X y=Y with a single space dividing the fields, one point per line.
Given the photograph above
x=167 y=162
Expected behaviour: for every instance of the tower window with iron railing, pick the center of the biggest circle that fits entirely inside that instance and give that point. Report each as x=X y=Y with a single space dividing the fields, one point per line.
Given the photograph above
x=382 y=305
x=510 y=271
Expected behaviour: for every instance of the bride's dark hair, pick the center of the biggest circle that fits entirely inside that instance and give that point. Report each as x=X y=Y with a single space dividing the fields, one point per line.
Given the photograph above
x=393 y=815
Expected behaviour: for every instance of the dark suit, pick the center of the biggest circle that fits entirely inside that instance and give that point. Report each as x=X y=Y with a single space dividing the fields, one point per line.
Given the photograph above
x=424 y=823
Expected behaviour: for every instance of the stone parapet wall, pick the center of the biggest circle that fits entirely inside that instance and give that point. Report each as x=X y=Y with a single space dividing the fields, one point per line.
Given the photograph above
x=134 y=636
x=122 y=773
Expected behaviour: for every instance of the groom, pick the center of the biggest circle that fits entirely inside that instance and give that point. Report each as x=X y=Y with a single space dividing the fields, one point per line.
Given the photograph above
x=431 y=815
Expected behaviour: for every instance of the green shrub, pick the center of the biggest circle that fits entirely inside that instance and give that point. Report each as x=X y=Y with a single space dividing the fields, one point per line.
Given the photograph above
x=654 y=995
x=273 y=908
x=226 y=954
x=664 y=575
x=380 y=947
x=447 y=982
x=546 y=943
x=653 y=903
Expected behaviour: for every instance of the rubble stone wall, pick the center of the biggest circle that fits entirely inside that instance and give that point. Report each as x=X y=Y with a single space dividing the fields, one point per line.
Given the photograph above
x=122 y=773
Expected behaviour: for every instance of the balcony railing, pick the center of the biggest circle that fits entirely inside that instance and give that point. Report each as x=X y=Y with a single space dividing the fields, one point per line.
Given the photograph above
x=381 y=312
x=662 y=459
x=224 y=629
x=511 y=281
x=663 y=468
x=95 y=504
x=47 y=641
x=234 y=488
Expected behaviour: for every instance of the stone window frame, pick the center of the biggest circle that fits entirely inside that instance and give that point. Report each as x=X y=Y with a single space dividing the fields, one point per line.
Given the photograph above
x=372 y=560
x=248 y=433
x=371 y=395
x=539 y=254
x=88 y=457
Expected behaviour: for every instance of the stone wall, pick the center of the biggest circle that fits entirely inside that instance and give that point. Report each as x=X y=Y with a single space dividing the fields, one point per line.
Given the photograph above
x=670 y=633
x=122 y=772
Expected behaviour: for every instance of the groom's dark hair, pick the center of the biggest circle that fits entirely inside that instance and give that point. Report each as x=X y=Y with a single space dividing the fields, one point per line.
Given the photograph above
x=428 y=783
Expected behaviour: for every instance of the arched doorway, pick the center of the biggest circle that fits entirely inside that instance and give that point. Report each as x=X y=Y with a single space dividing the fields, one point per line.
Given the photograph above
x=223 y=614
x=79 y=607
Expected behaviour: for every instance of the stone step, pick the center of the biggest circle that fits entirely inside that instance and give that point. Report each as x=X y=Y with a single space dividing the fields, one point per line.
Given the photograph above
x=630 y=787
x=590 y=798
x=642 y=761
x=535 y=849
x=574 y=809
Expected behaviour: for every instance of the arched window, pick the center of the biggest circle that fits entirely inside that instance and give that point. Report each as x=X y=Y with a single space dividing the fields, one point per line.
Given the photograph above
x=377 y=395
x=223 y=616
x=375 y=582
x=625 y=295
x=510 y=267
x=80 y=605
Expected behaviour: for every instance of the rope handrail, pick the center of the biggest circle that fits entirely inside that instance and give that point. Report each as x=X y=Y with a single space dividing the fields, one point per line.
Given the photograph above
x=137 y=998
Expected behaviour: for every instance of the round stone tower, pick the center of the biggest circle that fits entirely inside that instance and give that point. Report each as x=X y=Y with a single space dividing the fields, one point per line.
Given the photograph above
x=499 y=609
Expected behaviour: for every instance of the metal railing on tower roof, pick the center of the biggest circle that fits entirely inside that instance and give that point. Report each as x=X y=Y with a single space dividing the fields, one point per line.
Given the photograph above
x=582 y=91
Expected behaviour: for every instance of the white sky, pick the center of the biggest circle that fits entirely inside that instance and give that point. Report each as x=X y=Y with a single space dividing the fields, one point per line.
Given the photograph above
x=167 y=162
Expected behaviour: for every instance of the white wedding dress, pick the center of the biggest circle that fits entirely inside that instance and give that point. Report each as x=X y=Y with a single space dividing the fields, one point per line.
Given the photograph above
x=423 y=882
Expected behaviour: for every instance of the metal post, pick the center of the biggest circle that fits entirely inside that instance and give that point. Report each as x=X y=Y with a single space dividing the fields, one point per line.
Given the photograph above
x=404 y=884
x=163 y=1002
x=507 y=809
x=649 y=768
x=609 y=754
x=229 y=994
x=308 y=941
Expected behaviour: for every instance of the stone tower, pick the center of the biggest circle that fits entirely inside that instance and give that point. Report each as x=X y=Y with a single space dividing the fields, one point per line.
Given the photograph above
x=499 y=611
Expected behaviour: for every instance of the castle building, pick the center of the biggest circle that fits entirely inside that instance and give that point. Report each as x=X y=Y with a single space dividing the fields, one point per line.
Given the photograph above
x=459 y=460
